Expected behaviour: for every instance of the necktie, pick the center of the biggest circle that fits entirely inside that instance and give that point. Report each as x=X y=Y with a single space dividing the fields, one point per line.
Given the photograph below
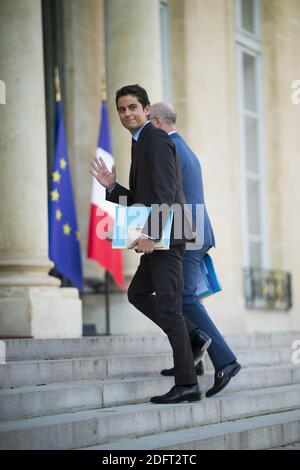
x=133 y=150
x=133 y=163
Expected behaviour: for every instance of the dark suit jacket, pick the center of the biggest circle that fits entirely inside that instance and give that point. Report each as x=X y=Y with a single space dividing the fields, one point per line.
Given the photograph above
x=155 y=178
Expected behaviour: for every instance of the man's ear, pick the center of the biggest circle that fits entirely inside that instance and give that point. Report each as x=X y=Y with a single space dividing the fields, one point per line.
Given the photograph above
x=158 y=122
x=147 y=110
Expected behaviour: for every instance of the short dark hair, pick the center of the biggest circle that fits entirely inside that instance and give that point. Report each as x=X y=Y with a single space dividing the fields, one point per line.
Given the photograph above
x=135 y=90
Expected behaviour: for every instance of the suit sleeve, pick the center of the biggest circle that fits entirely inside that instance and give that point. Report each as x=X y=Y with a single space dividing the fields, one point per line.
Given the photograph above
x=120 y=195
x=162 y=163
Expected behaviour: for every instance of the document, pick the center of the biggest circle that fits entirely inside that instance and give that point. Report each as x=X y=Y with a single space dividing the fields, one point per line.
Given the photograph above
x=129 y=223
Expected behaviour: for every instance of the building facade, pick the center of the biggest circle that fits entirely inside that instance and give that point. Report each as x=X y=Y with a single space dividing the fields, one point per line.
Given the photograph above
x=231 y=68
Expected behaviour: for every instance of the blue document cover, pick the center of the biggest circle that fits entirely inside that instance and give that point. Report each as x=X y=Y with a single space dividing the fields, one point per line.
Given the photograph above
x=207 y=280
x=129 y=223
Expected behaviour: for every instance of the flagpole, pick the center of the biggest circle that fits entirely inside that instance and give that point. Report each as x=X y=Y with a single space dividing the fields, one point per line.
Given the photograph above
x=103 y=90
x=107 y=310
x=107 y=305
x=57 y=84
x=58 y=100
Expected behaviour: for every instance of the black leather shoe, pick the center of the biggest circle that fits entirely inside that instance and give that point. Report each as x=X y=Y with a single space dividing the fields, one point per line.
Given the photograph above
x=179 y=394
x=199 y=343
x=199 y=368
x=223 y=377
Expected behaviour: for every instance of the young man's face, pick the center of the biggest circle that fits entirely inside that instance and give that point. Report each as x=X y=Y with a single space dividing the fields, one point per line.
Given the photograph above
x=131 y=112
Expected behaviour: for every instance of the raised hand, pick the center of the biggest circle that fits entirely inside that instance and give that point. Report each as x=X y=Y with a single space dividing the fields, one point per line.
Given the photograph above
x=102 y=174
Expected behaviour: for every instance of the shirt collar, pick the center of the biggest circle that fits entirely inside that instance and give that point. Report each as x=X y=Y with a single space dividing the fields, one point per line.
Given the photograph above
x=136 y=135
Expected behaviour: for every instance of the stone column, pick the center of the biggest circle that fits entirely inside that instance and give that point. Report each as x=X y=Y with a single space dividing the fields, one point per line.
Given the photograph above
x=31 y=304
x=133 y=56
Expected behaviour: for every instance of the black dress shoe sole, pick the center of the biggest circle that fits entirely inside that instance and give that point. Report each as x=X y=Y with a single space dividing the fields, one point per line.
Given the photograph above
x=236 y=369
x=170 y=372
x=204 y=348
x=184 y=400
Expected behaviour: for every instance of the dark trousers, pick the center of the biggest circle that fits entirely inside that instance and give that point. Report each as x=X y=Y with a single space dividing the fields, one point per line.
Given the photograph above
x=156 y=291
x=195 y=312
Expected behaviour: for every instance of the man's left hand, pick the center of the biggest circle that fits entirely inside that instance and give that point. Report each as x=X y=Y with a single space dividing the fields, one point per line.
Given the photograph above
x=143 y=245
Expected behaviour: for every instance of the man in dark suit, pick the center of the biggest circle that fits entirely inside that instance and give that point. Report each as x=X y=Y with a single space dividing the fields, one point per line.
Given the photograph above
x=156 y=287
x=163 y=116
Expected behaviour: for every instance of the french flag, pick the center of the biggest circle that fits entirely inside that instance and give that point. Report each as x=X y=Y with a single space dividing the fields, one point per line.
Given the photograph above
x=102 y=214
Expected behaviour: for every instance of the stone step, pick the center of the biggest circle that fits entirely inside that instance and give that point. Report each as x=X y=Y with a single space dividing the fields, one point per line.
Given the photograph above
x=249 y=357
x=34 y=349
x=259 y=340
x=106 y=426
x=18 y=373
x=294 y=446
x=256 y=433
x=43 y=372
x=30 y=401
x=45 y=349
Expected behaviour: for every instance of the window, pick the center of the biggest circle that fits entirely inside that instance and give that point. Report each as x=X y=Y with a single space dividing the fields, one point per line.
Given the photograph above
x=164 y=34
x=248 y=16
x=251 y=133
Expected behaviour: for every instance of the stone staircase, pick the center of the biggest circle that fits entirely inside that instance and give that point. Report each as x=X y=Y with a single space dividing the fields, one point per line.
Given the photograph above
x=93 y=393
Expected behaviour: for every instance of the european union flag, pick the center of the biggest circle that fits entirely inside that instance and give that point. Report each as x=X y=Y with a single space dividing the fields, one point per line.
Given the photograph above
x=64 y=246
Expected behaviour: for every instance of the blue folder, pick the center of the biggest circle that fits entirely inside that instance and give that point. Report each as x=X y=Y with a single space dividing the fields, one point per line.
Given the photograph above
x=207 y=280
x=129 y=222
